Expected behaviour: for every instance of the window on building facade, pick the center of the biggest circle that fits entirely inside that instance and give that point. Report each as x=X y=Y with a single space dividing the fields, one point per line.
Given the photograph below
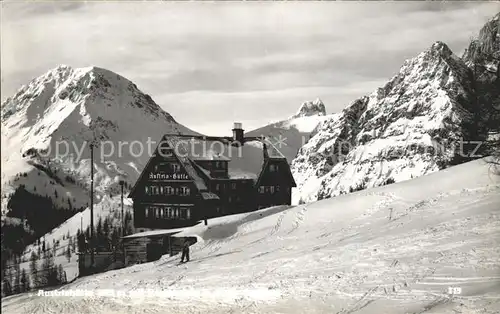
x=176 y=167
x=169 y=190
x=167 y=153
x=164 y=167
x=277 y=188
x=217 y=187
x=261 y=189
x=188 y=213
x=146 y=211
x=185 y=190
x=271 y=189
x=217 y=165
x=233 y=185
x=146 y=190
x=272 y=168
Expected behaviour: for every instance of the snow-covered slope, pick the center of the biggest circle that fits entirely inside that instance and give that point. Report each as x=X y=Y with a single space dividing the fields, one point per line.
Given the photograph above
x=397 y=249
x=48 y=124
x=108 y=207
x=290 y=134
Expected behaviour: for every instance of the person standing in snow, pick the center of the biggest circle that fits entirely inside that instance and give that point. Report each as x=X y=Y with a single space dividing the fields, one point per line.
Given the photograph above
x=185 y=251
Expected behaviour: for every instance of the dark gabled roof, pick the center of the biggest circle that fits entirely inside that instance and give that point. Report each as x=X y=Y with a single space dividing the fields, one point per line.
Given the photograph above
x=245 y=162
x=233 y=174
x=143 y=173
x=198 y=181
x=288 y=172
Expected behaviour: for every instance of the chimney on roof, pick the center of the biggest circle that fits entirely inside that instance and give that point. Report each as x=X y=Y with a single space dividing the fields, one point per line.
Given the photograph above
x=238 y=133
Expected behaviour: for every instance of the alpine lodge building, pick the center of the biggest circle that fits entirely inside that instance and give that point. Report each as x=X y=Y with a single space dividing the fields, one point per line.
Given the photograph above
x=189 y=179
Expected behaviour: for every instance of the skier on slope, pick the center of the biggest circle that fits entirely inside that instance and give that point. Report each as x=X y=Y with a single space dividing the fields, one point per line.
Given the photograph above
x=185 y=251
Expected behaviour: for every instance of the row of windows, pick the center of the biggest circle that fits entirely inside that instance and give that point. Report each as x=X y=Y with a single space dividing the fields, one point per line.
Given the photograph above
x=269 y=189
x=167 y=190
x=262 y=189
x=219 y=187
x=176 y=167
x=162 y=212
x=185 y=191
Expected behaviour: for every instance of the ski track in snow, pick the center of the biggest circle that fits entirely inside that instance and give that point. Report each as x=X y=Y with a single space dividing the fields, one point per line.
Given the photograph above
x=340 y=255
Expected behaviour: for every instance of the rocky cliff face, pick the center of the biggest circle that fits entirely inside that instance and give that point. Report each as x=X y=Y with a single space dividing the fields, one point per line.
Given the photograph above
x=483 y=58
x=416 y=124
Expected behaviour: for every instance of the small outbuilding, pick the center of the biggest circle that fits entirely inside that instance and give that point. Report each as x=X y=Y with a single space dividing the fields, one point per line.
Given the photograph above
x=151 y=245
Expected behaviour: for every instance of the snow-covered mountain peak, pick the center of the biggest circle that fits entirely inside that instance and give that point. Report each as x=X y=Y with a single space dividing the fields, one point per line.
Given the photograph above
x=49 y=122
x=411 y=126
x=311 y=108
x=441 y=49
x=294 y=132
x=94 y=88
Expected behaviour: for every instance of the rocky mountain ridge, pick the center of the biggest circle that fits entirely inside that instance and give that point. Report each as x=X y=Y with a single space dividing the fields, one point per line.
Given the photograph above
x=420 y=122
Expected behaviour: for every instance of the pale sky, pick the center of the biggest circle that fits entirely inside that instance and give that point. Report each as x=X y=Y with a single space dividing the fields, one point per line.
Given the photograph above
x=211 y=63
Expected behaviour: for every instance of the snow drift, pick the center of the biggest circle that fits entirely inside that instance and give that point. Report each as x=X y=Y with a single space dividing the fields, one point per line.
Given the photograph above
x=399 y=248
